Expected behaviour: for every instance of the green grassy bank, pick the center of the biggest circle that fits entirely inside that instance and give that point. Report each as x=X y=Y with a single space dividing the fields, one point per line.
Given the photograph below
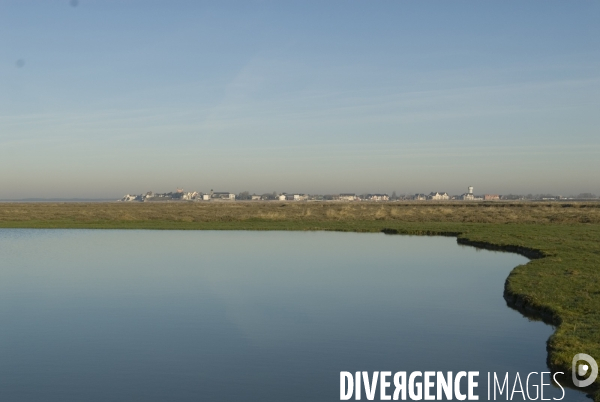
x=560 y=285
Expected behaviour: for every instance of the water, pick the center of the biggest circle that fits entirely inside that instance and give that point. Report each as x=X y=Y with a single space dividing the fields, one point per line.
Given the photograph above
x=253 y=316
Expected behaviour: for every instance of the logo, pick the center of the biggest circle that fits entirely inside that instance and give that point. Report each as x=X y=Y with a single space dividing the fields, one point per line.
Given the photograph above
x=581 y=370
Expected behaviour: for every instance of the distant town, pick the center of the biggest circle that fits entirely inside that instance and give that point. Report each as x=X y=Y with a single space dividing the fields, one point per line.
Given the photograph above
x=469 y=195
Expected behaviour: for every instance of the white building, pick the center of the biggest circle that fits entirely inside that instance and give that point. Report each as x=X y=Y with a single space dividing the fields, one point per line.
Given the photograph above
x=347 y=197
x=222 y=196
x=189 y=195
x=468 y=196
x=378 y=197
x=438 y=196
x=130 y=197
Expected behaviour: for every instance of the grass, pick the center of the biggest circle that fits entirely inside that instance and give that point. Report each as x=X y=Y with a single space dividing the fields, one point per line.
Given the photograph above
x=159 y=213
x=560 y=285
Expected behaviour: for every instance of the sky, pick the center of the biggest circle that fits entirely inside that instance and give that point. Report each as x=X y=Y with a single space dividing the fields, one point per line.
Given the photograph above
x=99 y=98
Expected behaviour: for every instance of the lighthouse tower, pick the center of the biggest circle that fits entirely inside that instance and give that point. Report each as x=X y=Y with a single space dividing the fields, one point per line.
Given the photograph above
x=471 y=190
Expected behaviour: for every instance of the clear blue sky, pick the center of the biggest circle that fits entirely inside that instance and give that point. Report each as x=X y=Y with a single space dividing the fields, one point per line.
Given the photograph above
x=113 y=97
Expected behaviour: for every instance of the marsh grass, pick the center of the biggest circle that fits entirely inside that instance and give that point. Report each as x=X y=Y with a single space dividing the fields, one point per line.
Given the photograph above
x=16 y=214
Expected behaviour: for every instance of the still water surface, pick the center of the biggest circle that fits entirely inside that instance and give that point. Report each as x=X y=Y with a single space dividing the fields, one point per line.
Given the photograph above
x=254 y=316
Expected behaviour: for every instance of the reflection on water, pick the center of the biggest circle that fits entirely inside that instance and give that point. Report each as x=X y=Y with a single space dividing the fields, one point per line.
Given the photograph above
x=269 y=316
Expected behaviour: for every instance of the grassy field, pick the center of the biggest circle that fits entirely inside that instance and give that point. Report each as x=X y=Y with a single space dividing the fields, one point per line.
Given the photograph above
x=560 y=285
